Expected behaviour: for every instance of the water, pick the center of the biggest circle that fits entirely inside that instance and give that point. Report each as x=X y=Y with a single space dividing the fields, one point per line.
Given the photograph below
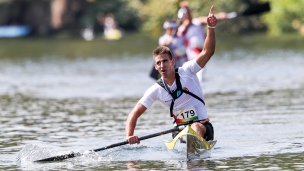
x=61 y=96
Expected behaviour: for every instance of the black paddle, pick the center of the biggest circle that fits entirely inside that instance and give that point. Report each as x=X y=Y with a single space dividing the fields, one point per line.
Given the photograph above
x=154 y=73
x=71 y=155
x=252 y=9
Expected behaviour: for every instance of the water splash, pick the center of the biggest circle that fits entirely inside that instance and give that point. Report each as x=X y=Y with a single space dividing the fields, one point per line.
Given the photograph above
x=31 y=153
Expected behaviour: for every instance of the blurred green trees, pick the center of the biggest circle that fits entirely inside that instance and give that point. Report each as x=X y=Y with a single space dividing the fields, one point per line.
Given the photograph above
x=285 y=16
x=155 y=12
x=126 y=16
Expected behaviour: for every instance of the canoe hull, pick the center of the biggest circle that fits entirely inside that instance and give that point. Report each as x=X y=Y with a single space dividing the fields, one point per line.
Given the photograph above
x=190 y=145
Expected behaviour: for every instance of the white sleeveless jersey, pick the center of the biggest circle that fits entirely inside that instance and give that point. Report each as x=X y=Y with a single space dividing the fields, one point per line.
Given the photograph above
x=189 y=80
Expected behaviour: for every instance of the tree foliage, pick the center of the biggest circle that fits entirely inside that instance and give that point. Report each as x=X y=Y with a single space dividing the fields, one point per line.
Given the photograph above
x=149 y=15
x=285 y=17
x=126 y=16
x=155 y=12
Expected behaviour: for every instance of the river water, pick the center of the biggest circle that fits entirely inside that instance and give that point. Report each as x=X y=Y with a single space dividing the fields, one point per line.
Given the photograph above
x=59 y=96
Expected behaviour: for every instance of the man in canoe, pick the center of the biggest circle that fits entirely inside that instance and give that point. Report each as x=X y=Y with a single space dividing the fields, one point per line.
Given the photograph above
x=178 y=90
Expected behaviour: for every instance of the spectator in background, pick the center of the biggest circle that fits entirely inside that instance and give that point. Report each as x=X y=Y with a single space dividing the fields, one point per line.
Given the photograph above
x=174 y=42
x=111 y=30
x=192 y=31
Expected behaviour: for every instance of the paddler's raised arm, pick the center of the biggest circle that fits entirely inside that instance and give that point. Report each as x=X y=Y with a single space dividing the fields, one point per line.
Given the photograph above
x=137 y=111
x=209 y=46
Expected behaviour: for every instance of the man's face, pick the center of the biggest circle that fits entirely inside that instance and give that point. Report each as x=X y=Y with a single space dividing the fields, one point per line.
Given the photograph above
x=164 y=65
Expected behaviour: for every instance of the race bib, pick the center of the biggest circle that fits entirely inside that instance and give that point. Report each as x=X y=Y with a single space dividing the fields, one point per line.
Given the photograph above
x=185 y=116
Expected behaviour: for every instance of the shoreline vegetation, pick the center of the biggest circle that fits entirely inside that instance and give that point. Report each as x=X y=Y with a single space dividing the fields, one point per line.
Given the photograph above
x=70 y=17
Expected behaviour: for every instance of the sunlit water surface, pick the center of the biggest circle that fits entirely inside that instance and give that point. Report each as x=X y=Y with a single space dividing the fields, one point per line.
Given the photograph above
x=53 y=105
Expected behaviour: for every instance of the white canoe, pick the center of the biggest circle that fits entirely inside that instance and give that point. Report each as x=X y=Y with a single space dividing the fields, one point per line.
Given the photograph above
x=189 y=144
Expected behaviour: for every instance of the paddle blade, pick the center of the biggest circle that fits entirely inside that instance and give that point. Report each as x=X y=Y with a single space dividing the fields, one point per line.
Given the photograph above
x=256 y=9
x=170 y=145
x=154 y=73
x=231 y=15
x=59 y=158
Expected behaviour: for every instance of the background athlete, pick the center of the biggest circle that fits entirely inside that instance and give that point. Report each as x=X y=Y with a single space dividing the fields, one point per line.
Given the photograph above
x=193 y=32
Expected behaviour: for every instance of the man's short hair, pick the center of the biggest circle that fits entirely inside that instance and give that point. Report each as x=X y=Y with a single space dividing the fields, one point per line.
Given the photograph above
x=162 y=50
